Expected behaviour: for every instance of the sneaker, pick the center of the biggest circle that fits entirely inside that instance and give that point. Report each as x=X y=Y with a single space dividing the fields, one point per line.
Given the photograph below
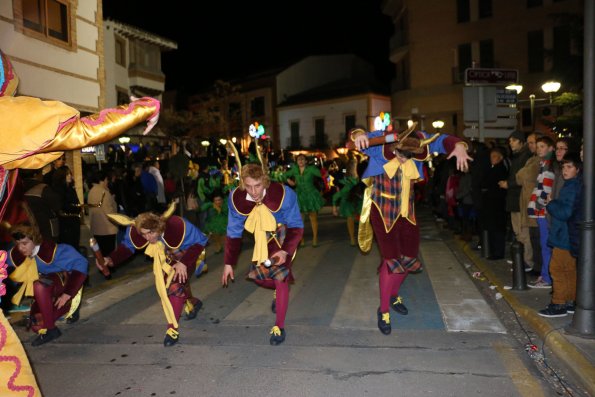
x=277 y=335
x=274 y=302
x=539 y=283
x=171 y=337
x=45 y=336
x=570 y=306
x=191 y=310
x=19 y=308
x=553 y=310
x=384 y=322
x=397 y=304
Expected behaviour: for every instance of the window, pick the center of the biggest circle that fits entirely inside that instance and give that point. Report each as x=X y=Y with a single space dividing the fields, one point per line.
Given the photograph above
x=294 y=127
x=123 y=97
x=486 y=53
x=534 y=3
x=464 y=55
x=349 y=122
x=463 y=11
x=535 y=51
x=235 y=111
x=319 y=135
x=257 y=107
x=561 y=53
x=46 y=18
x=120 y=55
x=485 y=8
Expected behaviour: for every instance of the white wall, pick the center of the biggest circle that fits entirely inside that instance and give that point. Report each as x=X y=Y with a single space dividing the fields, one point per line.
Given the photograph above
x=333 y=112
x=51 y=72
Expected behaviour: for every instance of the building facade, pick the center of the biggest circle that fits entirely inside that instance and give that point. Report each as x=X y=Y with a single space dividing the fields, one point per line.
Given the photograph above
x=435 y=41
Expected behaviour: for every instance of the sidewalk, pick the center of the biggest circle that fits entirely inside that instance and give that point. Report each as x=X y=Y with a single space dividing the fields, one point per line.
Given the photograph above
x=577 y=353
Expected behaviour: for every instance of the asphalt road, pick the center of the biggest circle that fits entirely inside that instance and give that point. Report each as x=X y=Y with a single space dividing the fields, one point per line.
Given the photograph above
x=454 y=341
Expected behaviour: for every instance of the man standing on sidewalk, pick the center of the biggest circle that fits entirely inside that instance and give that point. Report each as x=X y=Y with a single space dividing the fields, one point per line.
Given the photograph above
x=520 y=155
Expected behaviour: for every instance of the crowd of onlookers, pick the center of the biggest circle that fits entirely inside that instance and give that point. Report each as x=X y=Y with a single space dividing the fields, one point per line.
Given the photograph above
x=528 y=190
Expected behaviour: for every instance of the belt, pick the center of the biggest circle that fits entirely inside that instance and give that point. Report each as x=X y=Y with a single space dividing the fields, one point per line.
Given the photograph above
x=389 y=196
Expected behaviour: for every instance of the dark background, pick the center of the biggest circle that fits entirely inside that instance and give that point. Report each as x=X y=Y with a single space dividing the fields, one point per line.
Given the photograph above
x=228 y=40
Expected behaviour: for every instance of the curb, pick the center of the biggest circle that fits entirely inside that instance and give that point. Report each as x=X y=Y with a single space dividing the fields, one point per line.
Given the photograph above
x=575 y=361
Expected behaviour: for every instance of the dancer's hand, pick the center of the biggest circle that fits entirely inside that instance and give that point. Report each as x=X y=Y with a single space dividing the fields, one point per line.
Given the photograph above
x=181 y=272
x=61 y=301
x=362 y=142
x=281 y=257
x=227 y=273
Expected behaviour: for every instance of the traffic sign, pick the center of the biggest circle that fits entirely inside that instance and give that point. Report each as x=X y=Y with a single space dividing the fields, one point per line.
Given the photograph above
x=506 y=97
x=485 y=76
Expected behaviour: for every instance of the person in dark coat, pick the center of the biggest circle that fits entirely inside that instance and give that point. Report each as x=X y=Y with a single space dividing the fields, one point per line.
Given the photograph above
x=494 y=204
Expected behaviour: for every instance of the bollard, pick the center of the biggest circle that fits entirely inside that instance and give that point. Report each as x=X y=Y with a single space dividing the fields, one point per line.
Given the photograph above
x=519 y=280
x=485 y=243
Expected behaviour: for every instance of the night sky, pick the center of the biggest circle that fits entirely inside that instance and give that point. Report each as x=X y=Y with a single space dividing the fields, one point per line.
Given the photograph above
x=261 y=35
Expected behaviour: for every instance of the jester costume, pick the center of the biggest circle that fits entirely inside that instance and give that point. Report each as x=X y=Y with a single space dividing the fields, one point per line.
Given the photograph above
x=53 y=270
x=389 y=209
x=34 y=133
x=181 y=241
x=284 y=230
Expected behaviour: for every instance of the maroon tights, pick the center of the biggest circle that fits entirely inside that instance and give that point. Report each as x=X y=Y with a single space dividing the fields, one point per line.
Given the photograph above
x=282 y=289
x=389 y=283
x=44 y=299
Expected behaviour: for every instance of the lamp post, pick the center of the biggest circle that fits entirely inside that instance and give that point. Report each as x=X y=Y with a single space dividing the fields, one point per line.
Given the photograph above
x=437 y=124
x=550 y=87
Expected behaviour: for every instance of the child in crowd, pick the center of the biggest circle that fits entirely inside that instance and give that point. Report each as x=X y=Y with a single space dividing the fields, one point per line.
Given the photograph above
x=563 y=264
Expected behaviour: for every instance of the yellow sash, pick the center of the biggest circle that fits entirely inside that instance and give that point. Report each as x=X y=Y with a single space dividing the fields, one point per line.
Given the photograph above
x=26 y=274
x=160 y=266
x=410 y=172
x=259 y=221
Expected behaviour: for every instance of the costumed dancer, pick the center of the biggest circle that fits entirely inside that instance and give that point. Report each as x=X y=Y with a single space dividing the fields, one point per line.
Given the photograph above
x=51 y=128
x=216 y=221
x=175 y=245
x=52 y=273
x=388 y=211
x=309 y=197
x=347 y=202
x=269 y=211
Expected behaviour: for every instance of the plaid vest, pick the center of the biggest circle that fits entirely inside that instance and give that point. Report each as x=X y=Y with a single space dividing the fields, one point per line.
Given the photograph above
x=386 y=195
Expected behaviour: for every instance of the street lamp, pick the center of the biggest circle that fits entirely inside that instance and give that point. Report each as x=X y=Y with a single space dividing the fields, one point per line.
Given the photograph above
x=124 y=139
x=550 y=87
x=223 y=141
x=438 y=124
x=205 y=143
x=517 y=87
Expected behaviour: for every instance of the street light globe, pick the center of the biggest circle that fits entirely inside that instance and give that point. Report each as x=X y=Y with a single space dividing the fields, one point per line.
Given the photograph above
x=437 y=124
x=205 y=143
x=409 y=123
x=550 y=87
x=517 y=87
x=124 y=139
x=223 y=141
x=234 y=139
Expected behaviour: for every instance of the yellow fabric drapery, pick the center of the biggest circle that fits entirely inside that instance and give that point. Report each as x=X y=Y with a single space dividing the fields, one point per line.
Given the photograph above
x=259 y=221
x=26 y=274
x=365 y=235
x=409 y=173
x=160 y=266
x=17 y=377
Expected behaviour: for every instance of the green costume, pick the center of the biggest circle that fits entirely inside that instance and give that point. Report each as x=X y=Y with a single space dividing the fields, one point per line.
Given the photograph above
x=348 y=205
x=216 y=220
x=309 y=198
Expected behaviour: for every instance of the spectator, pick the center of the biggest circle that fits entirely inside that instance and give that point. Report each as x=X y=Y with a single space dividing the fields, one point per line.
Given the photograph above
x=70 y=213
x=536 y=207
x=154 y=170
x=494 y=201
x=563 y=264
x=526 y=177
x=149 y=188
x=44 y=203
x=519 y=157
x=101 y=203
